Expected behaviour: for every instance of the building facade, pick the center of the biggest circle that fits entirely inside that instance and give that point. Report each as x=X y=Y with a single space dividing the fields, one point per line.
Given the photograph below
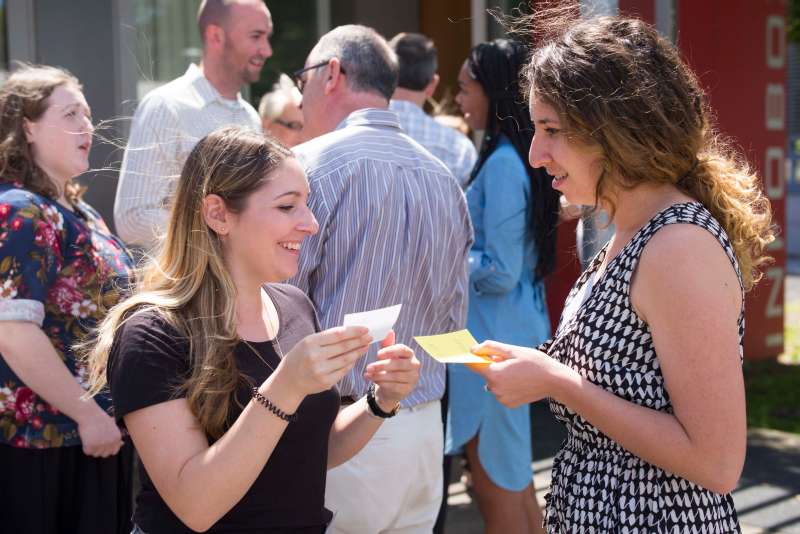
x=120 y=49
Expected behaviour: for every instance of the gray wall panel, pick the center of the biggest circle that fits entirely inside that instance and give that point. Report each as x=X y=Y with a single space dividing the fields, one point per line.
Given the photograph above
x=78 y=35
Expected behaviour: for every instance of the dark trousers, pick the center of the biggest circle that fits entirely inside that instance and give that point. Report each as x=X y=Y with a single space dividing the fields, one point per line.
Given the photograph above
x=63 y=491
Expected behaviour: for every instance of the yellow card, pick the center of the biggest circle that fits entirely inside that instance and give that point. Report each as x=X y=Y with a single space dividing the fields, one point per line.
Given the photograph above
x=451 y=348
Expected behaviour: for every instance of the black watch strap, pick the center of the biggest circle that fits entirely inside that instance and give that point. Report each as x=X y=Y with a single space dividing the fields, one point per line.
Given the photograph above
x=375 y=408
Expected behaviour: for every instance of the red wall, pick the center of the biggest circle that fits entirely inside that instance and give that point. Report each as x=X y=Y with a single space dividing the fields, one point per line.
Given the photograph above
x=566 y=271
x=738 y=50
x=643 y=9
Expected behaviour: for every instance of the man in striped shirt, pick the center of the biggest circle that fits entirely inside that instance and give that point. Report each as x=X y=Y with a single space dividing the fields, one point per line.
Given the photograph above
x=417 y=61
x=171 y=119
x=394 y=228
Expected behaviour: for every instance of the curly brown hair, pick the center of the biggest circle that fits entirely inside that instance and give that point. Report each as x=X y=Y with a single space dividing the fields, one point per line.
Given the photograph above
x=617 y=84
x=24 y=95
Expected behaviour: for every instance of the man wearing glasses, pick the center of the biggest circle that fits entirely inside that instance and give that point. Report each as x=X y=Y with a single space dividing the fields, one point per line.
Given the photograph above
x=394 y=228
x=171 y=119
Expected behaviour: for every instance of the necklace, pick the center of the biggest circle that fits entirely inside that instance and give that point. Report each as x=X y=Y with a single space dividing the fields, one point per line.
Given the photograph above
x=258 y=355
x=276 y=343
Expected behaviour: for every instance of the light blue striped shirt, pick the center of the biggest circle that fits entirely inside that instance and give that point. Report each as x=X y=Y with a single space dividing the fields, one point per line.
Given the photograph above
x=452 y=147
x=394 y=228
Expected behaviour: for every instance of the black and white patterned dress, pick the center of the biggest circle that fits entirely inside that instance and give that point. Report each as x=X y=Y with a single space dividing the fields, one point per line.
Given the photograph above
x=597 y=485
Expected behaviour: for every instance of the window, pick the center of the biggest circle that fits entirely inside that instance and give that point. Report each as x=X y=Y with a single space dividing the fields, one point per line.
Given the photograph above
x=507 y=8
x=599 y=7
x=295 y=34
x=167 y=40
x=666 y=19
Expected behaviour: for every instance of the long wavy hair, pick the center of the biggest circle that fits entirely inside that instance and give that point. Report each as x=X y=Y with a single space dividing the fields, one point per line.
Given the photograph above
x=24 y=95
x=617 y=84
x=496 y=66
x=187 y=282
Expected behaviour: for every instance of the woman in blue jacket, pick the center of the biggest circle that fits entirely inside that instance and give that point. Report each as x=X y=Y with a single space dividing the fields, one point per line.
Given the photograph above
x=514 y=212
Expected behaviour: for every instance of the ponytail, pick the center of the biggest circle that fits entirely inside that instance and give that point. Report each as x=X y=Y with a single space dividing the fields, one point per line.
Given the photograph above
x=729 y=189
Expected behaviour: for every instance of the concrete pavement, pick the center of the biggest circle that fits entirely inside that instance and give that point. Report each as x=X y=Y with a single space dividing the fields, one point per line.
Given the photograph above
x=767 y=498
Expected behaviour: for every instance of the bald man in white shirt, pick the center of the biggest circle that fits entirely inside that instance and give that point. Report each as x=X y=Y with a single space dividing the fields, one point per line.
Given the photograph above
x=171 y=119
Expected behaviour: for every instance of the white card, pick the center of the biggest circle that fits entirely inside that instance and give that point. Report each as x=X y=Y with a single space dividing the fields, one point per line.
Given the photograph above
x=378 y=321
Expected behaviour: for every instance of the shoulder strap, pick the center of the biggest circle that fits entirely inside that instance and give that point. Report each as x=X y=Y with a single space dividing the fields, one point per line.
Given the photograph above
x=687 y=213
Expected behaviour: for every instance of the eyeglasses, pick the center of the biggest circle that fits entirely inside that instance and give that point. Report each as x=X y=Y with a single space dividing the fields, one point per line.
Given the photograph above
x=292 y=125
x=300 y=82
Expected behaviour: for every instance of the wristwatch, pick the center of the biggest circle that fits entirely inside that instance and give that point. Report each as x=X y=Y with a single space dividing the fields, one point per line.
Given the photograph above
x=375 y=408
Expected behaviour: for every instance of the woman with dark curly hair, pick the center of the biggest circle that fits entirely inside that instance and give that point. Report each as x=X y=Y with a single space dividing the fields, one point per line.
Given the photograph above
x=61 y=455
x=645 y=366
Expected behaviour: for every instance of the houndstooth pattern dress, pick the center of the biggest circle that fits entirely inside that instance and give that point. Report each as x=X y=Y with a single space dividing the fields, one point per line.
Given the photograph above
x=597 y=485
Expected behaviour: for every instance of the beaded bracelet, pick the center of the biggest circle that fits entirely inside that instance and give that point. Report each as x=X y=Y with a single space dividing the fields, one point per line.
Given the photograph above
x=266 y=403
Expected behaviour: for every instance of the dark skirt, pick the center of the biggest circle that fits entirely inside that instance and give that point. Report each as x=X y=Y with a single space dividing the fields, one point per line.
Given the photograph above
x=61 y=490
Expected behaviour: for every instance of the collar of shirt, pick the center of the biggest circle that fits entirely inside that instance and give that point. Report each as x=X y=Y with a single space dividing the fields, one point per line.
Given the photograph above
x=371 y=117
x=207 y=92
x=405 y=107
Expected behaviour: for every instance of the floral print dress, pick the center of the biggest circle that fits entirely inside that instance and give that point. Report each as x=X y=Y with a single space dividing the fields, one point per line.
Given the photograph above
x=61 y=270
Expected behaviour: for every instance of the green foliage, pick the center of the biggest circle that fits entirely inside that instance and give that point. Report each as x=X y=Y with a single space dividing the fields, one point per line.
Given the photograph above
x=773 y=395
x=773 y=386
x=791 y=333
x=794 y=21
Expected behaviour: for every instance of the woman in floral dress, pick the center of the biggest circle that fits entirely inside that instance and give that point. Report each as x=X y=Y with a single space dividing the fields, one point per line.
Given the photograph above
x=62 y=457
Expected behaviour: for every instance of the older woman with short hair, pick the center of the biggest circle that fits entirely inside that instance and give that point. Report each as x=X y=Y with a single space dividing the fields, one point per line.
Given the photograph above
x=280 y=112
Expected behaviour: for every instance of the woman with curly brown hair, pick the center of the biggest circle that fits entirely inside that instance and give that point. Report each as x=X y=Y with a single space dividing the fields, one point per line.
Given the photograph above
x=644 y=369
x=62 y=458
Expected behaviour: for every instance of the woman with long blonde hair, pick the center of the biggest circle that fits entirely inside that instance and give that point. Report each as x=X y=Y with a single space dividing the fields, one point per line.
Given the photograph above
x=644 y=369
x=218 y=371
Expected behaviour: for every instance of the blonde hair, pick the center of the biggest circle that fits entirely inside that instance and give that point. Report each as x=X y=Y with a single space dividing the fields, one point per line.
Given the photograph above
x=25 y=95
x=283 y=93
x=617 y=84
x=187 y=282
